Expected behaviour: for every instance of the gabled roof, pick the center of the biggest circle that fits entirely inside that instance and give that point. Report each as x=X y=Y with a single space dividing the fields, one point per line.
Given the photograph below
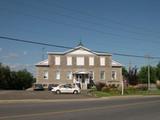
x=45 y=63
x=79 y=47
x=116 y=64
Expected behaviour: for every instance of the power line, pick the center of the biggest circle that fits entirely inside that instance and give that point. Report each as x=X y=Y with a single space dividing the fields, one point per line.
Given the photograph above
x=82 y=27
x=102 y=17
x=38 y=43
x=90 y=22
x=61 y=46
x=84 y=20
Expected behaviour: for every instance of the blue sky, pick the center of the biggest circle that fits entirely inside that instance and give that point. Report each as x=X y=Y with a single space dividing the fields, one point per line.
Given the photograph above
x=121 y=26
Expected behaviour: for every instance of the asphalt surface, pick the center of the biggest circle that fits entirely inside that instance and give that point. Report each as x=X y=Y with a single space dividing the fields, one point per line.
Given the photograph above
x=46 y=95
x=147 y=108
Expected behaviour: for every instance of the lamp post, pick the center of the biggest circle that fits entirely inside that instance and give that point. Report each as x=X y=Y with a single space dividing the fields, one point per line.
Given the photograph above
x=122 y=88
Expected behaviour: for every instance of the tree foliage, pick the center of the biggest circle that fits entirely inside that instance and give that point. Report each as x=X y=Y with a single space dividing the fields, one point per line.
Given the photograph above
x=158 y=71
x=133 y=76
x=15 y=80
x=143 y=74
x=124 y=72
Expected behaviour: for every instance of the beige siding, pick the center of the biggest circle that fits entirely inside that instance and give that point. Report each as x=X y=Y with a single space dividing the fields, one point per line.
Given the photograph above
x=63 y=68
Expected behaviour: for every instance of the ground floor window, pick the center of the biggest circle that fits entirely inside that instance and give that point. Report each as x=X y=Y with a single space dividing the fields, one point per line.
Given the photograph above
x=102 y=75
x=114 y=75
x=45 y=75
x=58 y=76
x=69 y=75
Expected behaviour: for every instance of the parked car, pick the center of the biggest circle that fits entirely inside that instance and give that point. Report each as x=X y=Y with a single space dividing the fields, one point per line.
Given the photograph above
x=50 y=86
x=65 y=88
x=38 y=87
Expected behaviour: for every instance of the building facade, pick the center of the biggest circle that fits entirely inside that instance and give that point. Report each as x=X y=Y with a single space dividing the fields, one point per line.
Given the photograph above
x=78 y=64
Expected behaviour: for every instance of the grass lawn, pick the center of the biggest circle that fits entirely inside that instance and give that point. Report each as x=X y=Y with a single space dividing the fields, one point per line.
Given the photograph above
x=126 y=92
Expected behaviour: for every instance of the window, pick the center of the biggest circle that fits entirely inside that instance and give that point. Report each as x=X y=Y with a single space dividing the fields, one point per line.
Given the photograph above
x=57 y=60
x=69 y=61
x=45 y=75
x=114 y=75
x=80 y=61
x=91 y=61
x=102 y=75
x=102 y=61
x=58 y=75
x=69 y=75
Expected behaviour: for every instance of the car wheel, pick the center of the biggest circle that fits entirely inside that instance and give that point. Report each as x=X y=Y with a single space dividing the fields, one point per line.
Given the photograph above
x=58 y=92
x=75 y=92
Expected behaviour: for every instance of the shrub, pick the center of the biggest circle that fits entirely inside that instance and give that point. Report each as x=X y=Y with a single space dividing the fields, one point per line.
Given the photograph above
x=130 y=89
x=99 y=86
x=105 y=89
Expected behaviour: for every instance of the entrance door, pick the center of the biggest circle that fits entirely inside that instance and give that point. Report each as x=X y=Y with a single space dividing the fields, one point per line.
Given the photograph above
x=83 y=79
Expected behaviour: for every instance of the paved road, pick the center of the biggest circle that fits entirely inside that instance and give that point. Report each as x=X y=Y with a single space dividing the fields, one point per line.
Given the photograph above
x=147 y=108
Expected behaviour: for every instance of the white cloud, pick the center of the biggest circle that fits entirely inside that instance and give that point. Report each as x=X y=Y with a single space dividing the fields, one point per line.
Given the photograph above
x=10 y=56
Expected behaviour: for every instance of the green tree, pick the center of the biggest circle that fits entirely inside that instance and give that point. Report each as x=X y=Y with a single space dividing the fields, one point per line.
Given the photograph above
x=15 y=80
x=143 y=74
x=124 y=72
x=158 y=71
x=132 y=76
x=24 y=80
x=5 y=77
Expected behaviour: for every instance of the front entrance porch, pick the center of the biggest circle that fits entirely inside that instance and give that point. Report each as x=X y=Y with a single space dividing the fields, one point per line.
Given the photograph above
x=82 y=78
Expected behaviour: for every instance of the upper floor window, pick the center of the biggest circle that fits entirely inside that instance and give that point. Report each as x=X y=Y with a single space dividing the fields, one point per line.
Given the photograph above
x=80 y=61
x=114 y=75
x=102 y=61
x=69 y=61
x=102 y=75
x=45 y=75
x=57 y=60
x=91 y=61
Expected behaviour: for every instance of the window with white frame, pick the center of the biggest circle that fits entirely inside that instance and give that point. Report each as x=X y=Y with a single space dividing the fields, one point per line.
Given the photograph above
x=102 y=61
x=69 y=75
x=58 y=75
x=57 y=60
x=69 y=61
x=102 y=75
x=45 y=75
x=91 y=61
x=114 y=75
x=80 y=61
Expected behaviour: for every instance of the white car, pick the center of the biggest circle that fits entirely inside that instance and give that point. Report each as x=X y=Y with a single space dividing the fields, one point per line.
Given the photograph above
x=66 y=88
